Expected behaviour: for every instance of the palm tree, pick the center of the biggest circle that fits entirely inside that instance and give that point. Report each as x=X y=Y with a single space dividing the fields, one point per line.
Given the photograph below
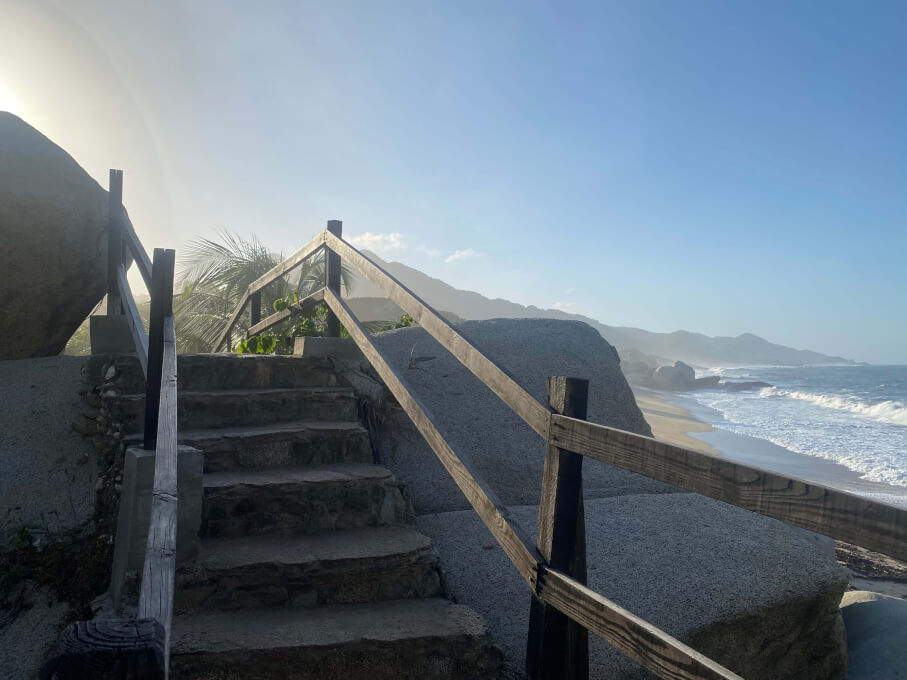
x=215 y=275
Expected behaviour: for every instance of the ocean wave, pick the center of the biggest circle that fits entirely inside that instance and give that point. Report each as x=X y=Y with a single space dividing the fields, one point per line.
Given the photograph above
x=894 y=412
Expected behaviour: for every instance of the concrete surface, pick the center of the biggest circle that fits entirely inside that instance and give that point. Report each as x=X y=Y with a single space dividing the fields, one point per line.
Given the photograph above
x=876 y=636
x=47 y=470
x=681 y=561
x=334 y=348
x=135 y=511
x=26 y=641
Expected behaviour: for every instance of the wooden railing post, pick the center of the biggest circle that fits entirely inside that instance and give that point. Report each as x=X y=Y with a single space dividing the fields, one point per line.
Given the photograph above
x=114 y=241
x=254 y=308
x=332 y=276
x=161 y=307
x=557 y=647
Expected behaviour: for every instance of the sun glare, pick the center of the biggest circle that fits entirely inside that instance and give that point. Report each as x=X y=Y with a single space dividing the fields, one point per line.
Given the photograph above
x=8 y=100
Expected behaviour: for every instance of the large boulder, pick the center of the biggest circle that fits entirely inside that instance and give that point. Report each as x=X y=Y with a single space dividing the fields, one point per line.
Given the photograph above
x=53 y=263
x=759 y=595
x=680 y=376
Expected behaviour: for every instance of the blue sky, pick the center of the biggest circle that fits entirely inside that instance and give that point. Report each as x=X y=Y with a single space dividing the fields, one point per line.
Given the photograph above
x=720 y=167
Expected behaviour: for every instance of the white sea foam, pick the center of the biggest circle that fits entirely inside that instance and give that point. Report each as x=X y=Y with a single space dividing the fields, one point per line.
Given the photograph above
x=894 y=412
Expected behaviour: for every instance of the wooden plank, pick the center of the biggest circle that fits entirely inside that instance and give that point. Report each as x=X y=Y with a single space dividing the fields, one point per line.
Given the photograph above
x=133 y=319
x=302 y=306
x=156 y=594
x=286 y=265
x=844 y=516
x=108 y=648
x=114 y=241
x=332 y=279
x=225 y=334
x=509 y=390
x=483 y=499
x=255 y=308
x=161 y=307
x=142 y=260
x=657 y=651
x=556 y=647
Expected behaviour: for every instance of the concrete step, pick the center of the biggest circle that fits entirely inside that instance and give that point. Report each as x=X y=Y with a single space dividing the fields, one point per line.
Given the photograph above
x=244 y=407
x=225 y=371
x=337 y=567
x=302 y=500
x=401 y=639
x=282 y=444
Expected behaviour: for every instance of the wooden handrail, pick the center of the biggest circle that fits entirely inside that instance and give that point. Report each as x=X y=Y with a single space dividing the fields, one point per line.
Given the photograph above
x=156 y=594
x=838 y=514
x=662 y=654
x=296 y=308
x=139 y=255
x=133 y=319
x=873 y=525
x=480 y=495
x=496 y=378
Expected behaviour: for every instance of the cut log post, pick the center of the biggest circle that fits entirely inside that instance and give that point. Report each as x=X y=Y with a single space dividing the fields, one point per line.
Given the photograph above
x=109 y=649
x=161 y=307
x=114 y=241
x=332 y=278
x=557 y=647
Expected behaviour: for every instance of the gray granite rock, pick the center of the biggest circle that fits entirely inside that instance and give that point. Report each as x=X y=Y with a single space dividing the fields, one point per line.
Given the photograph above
x=53 y=217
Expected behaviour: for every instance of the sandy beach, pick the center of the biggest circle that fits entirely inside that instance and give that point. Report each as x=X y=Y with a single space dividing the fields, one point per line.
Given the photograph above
x=675 y=424
x=671 y=423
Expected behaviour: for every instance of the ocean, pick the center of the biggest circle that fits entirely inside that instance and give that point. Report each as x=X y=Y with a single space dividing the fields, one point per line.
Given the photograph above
x=852 y=415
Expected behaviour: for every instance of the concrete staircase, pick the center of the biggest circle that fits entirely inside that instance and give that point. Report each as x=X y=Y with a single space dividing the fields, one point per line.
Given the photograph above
x=308 y=565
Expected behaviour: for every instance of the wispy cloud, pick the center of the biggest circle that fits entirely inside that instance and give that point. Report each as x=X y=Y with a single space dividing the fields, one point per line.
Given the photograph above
x=431 y=252
x=467 y=254
x=379 y=243
x=565 y=306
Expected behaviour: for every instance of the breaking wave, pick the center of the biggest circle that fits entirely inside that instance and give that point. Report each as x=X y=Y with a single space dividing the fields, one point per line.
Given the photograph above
x=894 y=412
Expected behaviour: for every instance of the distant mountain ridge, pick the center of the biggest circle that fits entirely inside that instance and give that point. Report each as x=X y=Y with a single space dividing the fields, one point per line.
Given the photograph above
x=694 y=348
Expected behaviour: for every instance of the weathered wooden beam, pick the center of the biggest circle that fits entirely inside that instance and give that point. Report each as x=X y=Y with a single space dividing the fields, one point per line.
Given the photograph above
x=255 y=308
x=506 y=387
x=161 y=307
x=286 y=265
x=297 y=307
x=108 y=649
x=156 y=593
x=114 y=241
x=657 y=651
x=558 y=648
x=484 y=500
x=133 y=318
x=224 y=336
x=332 y=279
x=135 y=246
x=847 y=517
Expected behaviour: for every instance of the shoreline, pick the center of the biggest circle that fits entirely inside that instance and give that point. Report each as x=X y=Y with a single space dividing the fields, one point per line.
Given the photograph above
x=673 y=419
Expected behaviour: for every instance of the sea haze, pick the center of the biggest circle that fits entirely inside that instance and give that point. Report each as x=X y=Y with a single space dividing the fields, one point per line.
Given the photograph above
x=852 y=415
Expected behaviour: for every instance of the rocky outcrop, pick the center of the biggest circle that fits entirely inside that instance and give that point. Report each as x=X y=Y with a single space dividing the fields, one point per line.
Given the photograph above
x=759 y=594
x=53 y=217
x=680 y=376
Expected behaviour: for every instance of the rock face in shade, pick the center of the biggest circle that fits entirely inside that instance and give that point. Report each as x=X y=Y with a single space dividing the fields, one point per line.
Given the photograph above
x=53 y=259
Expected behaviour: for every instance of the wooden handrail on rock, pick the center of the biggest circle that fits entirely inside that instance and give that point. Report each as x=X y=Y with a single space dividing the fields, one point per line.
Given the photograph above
x=863 y=522
x=138 y=648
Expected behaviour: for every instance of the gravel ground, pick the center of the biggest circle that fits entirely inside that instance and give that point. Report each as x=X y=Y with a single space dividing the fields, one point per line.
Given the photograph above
x=505 y=450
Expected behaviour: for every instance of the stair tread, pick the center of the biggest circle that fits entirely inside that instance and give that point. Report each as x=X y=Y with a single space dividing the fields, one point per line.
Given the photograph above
x=249 y=391
x=301 y=474
x=326 y=626
x=248 y=431
x=369 y=543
